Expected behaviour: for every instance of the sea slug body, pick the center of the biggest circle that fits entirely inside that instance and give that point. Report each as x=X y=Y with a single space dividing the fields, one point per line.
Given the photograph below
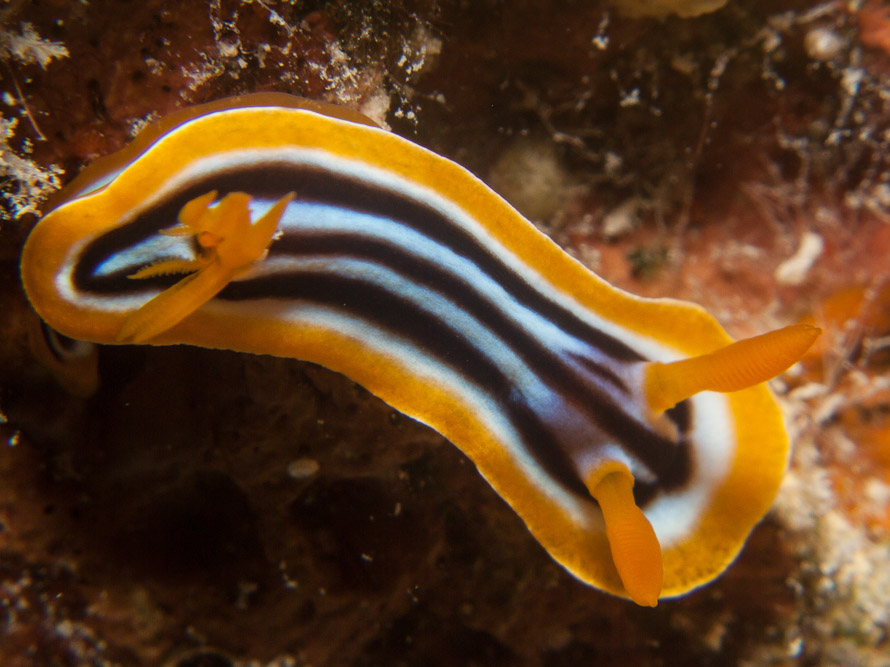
x=274 y=225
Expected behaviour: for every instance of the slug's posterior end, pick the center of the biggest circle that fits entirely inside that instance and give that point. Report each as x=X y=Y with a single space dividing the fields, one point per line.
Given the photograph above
x=738 y=366
x=74 y=364
x=635 y=549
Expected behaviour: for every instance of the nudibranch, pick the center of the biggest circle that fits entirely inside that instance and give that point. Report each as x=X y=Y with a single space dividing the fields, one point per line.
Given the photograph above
x=634 y=438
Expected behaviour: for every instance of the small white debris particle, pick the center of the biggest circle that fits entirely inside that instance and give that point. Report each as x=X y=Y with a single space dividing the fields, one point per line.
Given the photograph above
x=631 y=99
x=851 y=79
x=621 y=219
x=601 y=39
x=613 y=163
x=794 y=270
x=290 y=584
x=302 y=468
x=823 y=44
x=139 y=124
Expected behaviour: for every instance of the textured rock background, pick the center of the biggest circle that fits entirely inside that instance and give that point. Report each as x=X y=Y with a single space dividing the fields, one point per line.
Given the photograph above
x=210 y=508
